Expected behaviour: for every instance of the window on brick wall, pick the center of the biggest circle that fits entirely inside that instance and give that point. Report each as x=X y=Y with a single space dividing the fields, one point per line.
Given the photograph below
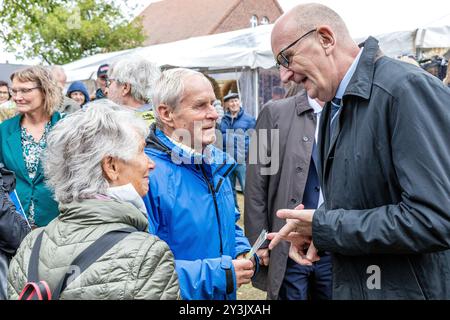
x=254 y=21
x=265 y=20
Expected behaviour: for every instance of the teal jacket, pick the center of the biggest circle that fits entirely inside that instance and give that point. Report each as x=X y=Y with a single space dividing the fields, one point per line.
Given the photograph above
x=46 y=208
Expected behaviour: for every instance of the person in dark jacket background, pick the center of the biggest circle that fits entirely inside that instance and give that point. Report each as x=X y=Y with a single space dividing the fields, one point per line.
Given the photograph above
x=101 y=82
x=384 y=162
x=235 y=127
x=13 y=226
x=77 y=91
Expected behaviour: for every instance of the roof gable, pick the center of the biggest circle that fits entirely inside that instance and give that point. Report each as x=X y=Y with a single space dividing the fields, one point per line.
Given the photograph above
x=172 y=20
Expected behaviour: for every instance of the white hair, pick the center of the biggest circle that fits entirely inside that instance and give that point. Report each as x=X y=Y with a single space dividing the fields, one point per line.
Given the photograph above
x=79 y=142
x=139 y=73
x=169 y=89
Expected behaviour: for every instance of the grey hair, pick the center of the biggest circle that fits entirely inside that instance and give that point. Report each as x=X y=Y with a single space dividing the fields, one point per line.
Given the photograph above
x=79 y=142
x=169 y=89
x=139 y=73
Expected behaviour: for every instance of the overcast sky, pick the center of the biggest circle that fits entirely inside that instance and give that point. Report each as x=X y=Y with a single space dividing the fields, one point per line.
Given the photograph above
x=363 y=17
x=369 y=17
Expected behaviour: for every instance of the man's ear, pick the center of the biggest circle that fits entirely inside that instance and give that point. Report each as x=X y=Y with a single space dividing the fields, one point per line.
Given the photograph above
x=110 y=169
x=327 y=38
x=165 y=114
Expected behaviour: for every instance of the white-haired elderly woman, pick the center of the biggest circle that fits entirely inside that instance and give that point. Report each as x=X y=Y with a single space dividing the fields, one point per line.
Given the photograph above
x=130 y=84
x=96 y=165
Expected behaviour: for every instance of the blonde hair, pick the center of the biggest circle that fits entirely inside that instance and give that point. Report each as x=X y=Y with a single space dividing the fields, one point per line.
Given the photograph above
x=44 y=79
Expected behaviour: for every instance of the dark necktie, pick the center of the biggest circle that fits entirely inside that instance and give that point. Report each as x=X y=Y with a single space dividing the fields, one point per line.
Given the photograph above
x=312 y=189
x=335 y=106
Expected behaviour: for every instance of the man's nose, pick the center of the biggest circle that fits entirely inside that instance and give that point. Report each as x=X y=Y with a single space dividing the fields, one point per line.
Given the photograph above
x=285 y=74
x=212 y=113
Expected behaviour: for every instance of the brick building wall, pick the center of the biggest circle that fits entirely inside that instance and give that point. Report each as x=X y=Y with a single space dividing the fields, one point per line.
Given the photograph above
x=241 y=15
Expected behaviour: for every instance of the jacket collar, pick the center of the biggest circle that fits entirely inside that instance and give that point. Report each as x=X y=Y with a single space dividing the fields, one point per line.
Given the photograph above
x=301 y=102
x=216 y=161
x=99 y=212
x=361 y=82
x=239 y=115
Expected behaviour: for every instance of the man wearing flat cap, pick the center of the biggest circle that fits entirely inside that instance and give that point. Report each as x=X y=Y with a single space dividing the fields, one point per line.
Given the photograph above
x=102 y=77
x=235 y=127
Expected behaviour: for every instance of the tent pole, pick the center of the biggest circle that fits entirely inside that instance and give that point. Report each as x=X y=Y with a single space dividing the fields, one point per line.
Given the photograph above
x=256 y=86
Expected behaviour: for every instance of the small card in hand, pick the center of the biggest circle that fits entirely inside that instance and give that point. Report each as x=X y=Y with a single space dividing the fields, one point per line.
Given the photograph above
x=258 y=243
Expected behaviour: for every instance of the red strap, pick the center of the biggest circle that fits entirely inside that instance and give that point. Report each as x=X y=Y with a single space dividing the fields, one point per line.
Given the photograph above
x=46 y=288
x=31 y=289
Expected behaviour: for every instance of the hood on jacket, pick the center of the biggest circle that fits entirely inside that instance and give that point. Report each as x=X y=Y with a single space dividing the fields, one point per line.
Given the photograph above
x=79 y=86
x=212 y=156
x=99 y=212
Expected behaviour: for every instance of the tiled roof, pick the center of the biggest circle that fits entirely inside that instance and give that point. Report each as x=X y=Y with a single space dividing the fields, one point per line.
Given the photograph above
x=172 y=20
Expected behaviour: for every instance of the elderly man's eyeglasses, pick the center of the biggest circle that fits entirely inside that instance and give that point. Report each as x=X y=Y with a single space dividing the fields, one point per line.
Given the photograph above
x=109 y=81
x=282 y=60
x=22 y=91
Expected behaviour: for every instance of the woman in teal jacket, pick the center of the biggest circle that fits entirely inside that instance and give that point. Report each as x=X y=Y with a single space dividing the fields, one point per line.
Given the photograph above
x=23 y=137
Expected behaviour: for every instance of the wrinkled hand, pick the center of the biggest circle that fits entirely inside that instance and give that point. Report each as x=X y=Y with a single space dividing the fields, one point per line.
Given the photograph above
x=263 y=255
x=244 y=270
x=297 y=220
x=312 y=254
x=298 y=231
x=299 y=247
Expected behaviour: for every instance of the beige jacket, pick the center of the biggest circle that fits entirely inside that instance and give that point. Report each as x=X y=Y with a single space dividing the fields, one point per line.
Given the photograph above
x=141 y=266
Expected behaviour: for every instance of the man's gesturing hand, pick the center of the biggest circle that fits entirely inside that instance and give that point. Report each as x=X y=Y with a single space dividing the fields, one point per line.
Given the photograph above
x=298 y=231
x=297 y=220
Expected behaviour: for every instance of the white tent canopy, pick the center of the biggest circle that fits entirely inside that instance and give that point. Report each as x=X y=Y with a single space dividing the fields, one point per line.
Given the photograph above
x=433 y=37
x=245 y=48
x=413 y=42
x=236 y=49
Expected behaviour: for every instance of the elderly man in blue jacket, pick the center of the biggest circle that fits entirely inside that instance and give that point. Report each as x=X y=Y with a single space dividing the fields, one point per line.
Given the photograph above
x=190 y=201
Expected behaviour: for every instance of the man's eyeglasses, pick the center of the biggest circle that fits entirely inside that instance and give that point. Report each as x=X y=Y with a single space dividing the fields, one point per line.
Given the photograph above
x=282 y=60
x=22 y=91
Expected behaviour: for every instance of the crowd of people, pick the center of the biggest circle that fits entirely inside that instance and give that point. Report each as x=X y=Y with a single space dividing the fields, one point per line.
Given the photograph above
x=130 y=193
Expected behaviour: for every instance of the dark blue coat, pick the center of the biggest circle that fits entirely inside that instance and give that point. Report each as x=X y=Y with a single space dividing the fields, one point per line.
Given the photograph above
x=386 y=182
x=236 y=134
